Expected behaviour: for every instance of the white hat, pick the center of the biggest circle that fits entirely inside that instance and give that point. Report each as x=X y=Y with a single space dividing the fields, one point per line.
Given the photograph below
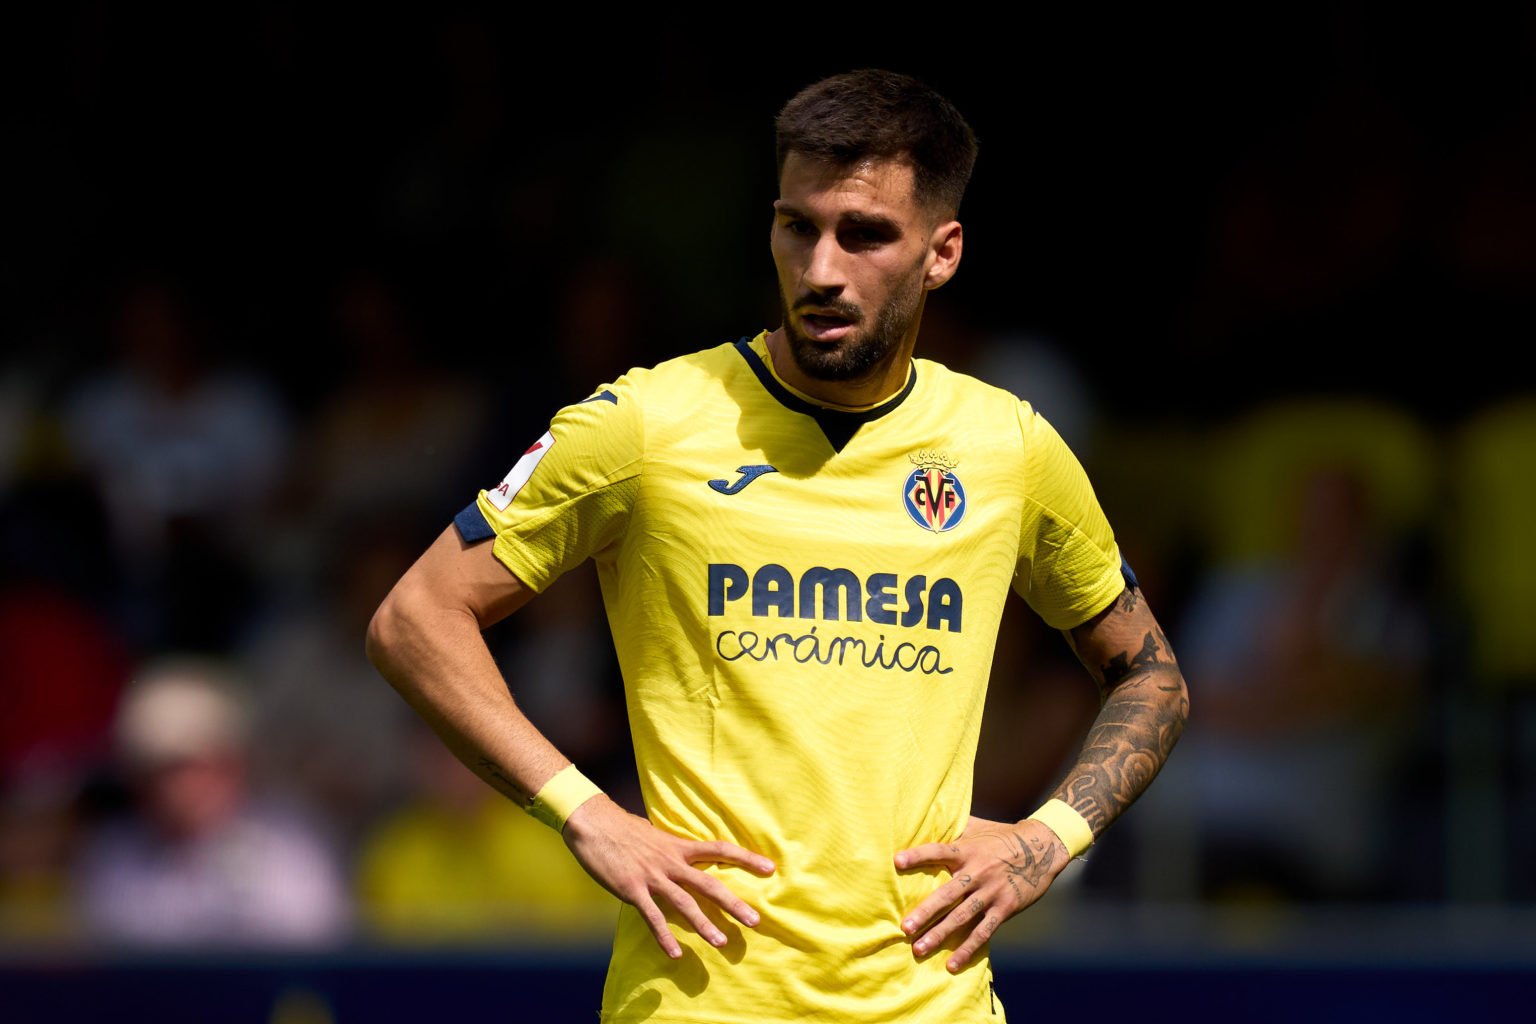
x=180 y=710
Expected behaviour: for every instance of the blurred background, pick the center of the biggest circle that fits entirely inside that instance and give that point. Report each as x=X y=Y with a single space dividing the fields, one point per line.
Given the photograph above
x=282 y=290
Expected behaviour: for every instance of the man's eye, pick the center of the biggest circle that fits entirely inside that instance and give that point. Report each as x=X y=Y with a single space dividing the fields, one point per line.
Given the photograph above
x=799 y=227
x=864 y=238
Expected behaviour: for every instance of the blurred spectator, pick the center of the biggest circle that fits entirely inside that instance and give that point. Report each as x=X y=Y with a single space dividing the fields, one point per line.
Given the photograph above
x=1491 y=552
x=63 y=668
x=398 y=434
x=1492 y=544
x=38 y=827
x=331 y=730
x=461 y=862
x=1308 y=667
x=64 y=661
x=186 y=457
x=202 y=862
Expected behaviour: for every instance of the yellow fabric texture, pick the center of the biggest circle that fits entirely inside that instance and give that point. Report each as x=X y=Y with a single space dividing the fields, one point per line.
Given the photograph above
x=805 y=655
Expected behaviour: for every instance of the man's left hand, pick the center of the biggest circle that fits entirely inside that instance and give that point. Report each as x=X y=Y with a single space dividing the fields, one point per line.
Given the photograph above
x=996 y=870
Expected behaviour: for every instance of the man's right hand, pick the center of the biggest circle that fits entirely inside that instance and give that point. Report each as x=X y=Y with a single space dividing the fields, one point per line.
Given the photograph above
x=642 y=865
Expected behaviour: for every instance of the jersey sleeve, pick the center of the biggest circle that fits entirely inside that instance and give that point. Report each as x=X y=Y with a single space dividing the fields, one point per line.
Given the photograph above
x=1069 y=567
x=568 y=498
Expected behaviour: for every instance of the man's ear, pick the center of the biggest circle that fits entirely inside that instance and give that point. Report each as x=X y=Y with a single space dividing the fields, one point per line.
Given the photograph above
x=944 y=247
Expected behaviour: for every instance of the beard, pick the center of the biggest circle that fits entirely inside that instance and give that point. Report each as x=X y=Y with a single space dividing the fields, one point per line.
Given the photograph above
x=865 y=349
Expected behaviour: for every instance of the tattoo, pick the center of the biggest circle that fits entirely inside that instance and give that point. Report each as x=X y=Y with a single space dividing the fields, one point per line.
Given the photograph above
x=497 y=776
x=1144 y=705
x=1122 y=665
x=1030 y=865
x=1128 y=743
x=1154 y=655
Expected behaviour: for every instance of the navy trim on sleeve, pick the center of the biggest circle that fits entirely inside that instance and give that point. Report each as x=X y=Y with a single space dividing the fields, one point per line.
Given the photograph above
x=1128 y=574
x=471 y=524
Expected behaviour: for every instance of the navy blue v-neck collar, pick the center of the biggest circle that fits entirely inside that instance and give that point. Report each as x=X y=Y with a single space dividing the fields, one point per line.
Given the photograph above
x=838 y=425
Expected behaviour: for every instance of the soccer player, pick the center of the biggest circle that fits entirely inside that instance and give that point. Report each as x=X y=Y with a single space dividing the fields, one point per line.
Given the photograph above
x=804 y=541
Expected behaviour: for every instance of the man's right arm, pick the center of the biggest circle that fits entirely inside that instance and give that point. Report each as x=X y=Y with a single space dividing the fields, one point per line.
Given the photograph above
x=425 y=639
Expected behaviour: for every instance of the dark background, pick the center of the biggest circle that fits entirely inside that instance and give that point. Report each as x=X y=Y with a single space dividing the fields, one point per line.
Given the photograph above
x=477 y=160
x=1196 y=221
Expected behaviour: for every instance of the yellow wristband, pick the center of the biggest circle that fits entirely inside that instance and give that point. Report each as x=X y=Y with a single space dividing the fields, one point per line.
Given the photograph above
x=1069 y=826
x=566 y=790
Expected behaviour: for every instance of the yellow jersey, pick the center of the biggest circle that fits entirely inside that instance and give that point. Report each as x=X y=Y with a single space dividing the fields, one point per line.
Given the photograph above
x=804 y=603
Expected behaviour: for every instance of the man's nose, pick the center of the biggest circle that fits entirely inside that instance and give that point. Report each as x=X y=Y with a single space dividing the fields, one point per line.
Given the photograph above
x=824 y=273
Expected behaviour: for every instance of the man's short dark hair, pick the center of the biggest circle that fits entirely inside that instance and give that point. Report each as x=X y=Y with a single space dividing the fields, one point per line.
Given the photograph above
x=860 y=115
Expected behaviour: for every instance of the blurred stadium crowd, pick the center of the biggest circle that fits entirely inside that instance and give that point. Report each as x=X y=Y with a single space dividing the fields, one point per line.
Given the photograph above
x=283 y=300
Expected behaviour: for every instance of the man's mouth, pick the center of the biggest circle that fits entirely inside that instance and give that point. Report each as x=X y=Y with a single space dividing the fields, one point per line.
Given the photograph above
x=822 y=324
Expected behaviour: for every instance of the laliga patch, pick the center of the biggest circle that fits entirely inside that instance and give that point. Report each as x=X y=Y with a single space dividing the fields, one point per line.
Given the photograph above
x=932 y=493
x=501 y=496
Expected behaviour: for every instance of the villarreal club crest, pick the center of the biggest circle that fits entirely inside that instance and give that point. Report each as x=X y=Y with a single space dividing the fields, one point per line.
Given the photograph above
x=932 y=494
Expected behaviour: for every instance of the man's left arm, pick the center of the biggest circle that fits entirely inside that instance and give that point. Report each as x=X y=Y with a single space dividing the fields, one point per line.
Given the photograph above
x=997 y=869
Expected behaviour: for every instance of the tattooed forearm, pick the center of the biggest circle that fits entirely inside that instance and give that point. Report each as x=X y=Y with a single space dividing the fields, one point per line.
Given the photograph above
x=1144 y=706
x=497 y=776
x=1129 y=741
